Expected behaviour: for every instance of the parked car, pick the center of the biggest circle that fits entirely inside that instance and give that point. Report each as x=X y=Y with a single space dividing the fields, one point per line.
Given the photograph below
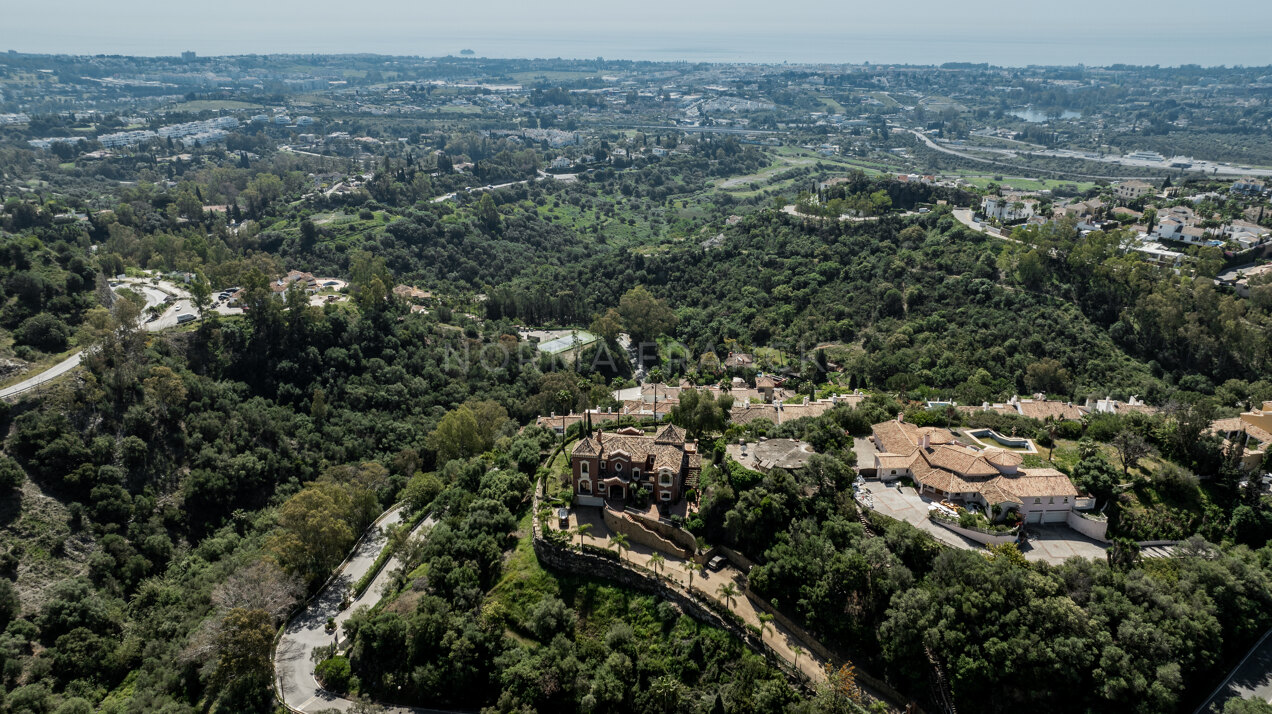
x=182 y=319
x=715 y=563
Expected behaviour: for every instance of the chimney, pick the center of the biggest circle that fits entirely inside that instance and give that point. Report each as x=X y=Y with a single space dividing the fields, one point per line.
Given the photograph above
x=925 y=441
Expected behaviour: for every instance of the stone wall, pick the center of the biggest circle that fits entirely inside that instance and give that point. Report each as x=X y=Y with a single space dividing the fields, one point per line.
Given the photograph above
x=679 y=536
x=567 y=560
x=816 y=647
x=638 y=533
x=978 y=536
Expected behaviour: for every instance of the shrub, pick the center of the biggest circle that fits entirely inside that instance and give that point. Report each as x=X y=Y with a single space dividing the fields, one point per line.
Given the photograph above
x=11 y=474
x=43 y=332
x=334 y=673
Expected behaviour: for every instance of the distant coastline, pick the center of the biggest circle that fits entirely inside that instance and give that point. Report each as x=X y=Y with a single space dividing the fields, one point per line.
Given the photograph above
x=1246 y=48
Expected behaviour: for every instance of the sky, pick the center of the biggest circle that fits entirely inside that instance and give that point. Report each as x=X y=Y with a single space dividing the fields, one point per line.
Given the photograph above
x=1093 y=32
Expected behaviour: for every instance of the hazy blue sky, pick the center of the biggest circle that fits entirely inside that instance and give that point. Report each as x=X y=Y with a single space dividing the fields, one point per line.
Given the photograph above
x=922 y=31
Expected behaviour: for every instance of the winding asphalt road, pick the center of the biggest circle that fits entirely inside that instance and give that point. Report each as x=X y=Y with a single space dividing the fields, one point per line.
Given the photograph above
x=181 y=304
x=153 y=296
x=293 y=666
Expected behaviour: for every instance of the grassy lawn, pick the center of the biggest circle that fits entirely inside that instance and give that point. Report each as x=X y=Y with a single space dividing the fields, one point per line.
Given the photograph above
x=1027 y=184
x=213 y=105
x=524 y=582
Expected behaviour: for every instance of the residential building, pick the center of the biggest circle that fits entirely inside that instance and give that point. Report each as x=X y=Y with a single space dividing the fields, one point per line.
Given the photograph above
x=1247 y=187
x=1252 y=431
x=944 y=468
x=1159 y=254
x=612 y=466
x=1131 y=190
x=1012 y=207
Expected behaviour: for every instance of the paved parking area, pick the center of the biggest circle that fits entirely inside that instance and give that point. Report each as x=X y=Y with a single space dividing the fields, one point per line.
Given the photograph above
x=865 y=450
x=1056 y=544
x=904 y=504
x=1050 y=544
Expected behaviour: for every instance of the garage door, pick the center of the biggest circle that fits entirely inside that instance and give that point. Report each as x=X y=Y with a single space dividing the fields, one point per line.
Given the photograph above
x=1033 y=517
x=1055 y=516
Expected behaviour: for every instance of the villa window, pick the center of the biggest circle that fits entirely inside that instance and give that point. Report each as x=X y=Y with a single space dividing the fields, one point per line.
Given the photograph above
x=617 y=467
x=1037 y=500
x=635 y=473
x=602 y=464
x=586 y=487
x=665 y=495
x=1051 y=499
x=664 y=479
x=1066 y=499
x=894 y=472
x=600 y=488
x=583 y=468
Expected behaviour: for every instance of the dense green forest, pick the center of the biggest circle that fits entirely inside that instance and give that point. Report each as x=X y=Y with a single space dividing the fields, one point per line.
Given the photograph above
x=145 y=493
x=1130 y=633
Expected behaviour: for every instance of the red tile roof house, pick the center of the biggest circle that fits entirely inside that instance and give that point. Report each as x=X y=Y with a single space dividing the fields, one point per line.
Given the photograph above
x=943 y=468
x=611 y=466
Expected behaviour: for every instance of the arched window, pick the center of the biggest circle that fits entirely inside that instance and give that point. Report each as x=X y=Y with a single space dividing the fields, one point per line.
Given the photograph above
x=583 y=468
x=585 y=486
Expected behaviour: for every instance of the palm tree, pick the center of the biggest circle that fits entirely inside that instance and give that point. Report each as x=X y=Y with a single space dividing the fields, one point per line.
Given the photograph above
x=765 y=619
x=797 y=650
x=620 y=544
x=582 y=530
x=656 y=560
x=691 y=568
x=728 y=592
x=564 y=398
x=1050 y=424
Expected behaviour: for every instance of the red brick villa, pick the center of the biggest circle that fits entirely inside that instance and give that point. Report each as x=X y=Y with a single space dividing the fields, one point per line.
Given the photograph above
x=611 y=466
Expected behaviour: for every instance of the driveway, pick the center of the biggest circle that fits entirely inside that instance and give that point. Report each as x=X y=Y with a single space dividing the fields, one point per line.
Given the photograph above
x=865 y=450
x=1252 y=677
x=905 y=505
x=706 y=583
x=293 y=666
x=1056 y=544
x=1049 y=544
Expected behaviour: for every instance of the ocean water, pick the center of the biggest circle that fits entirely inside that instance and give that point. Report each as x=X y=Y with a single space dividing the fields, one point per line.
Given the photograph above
x=1237 y=46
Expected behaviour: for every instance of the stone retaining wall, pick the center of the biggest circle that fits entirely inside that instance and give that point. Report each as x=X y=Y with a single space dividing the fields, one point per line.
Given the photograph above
x=639 y=533
x=567 y=560
x=979 y=536
x=816 y=647
x=679 y=536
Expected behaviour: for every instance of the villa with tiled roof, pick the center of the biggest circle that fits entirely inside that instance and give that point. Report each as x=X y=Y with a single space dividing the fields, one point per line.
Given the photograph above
x=1252 y=431
x=944 y=468
x=613 y=465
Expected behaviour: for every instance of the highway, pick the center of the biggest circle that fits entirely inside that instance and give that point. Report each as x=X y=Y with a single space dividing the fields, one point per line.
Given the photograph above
x=1022 y=167
x=1213 y=168
x=293 y=666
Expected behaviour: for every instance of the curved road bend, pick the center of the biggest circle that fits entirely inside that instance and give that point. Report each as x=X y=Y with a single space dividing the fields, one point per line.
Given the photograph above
x=154 y=296
x=293 y=667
